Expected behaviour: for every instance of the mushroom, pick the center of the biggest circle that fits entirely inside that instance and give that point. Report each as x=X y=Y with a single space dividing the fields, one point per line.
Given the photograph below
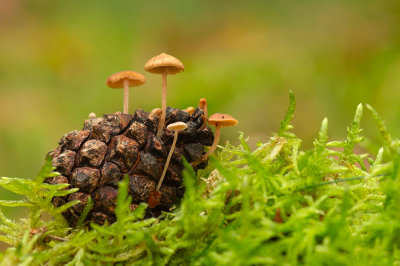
x=156 y=112
x=155 y=196
x=203 y=106
x=125 y=79
x=176 y=127
x=163 y=64
x=190 y=110
x=92 y=115
x=217 y=120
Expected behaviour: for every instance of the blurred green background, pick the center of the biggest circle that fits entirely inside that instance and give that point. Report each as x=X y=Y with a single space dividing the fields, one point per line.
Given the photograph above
x=243 y=56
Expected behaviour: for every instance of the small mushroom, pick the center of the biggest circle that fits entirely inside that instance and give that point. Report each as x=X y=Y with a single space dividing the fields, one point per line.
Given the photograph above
x=156 y=112
x=190 y=110
x=203 y=106
x=217 y=120
x=163 y=64
x=176 y=127
x=92 y=115
x=155 y=196
x=125 y=79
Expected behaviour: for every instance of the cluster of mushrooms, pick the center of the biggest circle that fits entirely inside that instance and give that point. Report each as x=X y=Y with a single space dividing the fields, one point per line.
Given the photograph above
x=165 y=64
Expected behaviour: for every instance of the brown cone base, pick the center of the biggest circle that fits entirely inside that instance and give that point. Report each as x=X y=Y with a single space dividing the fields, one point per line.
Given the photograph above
x=97 y=157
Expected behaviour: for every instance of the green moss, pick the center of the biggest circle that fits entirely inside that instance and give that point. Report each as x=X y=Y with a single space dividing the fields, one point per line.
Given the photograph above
x=275 y=205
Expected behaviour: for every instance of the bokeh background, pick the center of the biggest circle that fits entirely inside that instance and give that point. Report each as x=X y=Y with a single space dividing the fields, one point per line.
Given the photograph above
x=243 y=56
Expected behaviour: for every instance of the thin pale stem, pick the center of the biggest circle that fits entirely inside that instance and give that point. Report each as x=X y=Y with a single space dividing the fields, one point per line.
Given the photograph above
x=212 y=148
x=163 y=104
x=215 y=143
x=126 y=96
x=336 y=181
x=57 y=238
x=168 y=160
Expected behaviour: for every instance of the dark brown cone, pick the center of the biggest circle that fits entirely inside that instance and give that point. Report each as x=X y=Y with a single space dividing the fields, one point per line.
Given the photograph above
x=102 y=129
x=148 y=165
x=155 y=146
x=138 y=132
x=85 y=178
x=73 y=140
x=92 y=153
x=123 y=151
x=105 y=199
x=82 y=197
x=65 y=162
x=96 y=158
x=57 y=180
x=140 y=186
x=110 y=174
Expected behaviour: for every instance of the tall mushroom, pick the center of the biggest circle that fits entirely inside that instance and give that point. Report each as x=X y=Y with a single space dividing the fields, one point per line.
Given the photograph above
x=217 y=120
x=163 y=64
x=125 y=79
x=155 y=196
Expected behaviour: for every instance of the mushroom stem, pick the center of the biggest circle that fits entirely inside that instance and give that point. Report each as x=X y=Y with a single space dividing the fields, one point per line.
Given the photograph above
x=212 y=148
x=215 y=143
x=126 y=96
x=205 y=111
x=168 y=160
x=163 y=104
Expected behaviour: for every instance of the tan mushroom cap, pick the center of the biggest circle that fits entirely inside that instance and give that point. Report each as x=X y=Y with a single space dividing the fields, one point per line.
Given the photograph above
x=177 y=126
x=156 y=112
x=223 y=120
x=190 y=110
x=117 y=80
x=164 y=62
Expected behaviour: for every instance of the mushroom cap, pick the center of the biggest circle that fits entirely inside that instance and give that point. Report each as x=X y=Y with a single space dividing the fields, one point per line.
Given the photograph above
x=190 y=110
x=177 y=126
x=117 y=80
x=164 y=62
x=223 y=120
x=156 y=112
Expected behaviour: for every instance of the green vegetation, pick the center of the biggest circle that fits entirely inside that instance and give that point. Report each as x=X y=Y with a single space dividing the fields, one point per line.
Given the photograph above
x=274 y=205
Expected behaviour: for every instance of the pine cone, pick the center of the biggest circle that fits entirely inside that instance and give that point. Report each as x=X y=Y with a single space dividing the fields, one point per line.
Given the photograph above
x=96 y=158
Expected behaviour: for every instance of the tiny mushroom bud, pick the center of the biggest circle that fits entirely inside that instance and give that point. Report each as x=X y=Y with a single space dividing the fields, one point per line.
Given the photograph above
x=190 y=110
x=203 y=106
x=155 y=196
x=156 y=112
x=92 y=115
x=163 y=64
x=217 y=120
x=125 y=79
